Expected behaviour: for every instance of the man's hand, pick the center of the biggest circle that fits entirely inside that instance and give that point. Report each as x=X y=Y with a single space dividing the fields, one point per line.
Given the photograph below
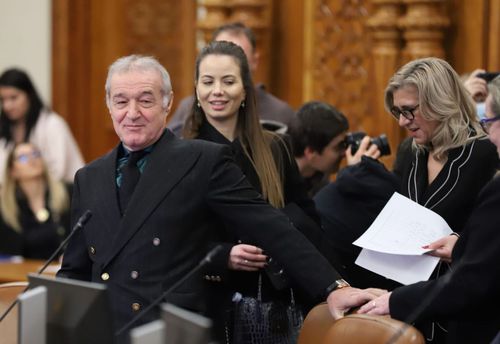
x=365 y=148
x=476 y=86
x=378 y=306
x=341 y=300
x=443 y=247
x=246 y=258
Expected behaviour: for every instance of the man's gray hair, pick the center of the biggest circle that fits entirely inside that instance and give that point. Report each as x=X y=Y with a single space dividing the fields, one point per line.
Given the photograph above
x=139 y=63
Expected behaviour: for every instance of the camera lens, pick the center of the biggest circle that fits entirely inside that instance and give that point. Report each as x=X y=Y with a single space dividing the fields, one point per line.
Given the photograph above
x=354 y=139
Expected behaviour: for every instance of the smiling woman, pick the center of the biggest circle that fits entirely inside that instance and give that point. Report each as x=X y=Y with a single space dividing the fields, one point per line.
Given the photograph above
x=224 y=112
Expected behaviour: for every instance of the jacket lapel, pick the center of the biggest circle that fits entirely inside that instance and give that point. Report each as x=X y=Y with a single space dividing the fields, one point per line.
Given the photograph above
x=166 y=166
x=106 y=190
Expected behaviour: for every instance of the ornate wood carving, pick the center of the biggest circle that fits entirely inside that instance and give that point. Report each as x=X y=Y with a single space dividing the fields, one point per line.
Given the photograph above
x=424 y=26
x=337 y=60
x=386 y=50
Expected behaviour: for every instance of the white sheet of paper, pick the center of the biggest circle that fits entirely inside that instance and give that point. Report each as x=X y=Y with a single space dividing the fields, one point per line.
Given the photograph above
x=392 y=245
x=404 y=269
x=403 y=227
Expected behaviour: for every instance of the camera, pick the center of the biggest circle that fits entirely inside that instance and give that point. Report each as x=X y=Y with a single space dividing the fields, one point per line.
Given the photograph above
x=354 y=139
x=488 y=76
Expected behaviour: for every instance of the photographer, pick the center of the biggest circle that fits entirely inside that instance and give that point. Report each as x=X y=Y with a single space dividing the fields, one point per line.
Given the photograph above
x=318 y=134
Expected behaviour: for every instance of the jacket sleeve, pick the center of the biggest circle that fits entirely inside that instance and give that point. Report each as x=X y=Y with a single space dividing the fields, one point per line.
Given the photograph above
x=473 y=284
x=242 y=209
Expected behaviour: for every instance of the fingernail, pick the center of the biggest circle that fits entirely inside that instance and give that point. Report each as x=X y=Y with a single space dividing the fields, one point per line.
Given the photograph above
x=425 y=246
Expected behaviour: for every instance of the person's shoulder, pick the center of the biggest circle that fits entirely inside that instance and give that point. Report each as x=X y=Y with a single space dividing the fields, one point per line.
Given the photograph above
x=198 y=145
x=51 y=119
x=271 y=107
x=485 y=146
x=271 y=99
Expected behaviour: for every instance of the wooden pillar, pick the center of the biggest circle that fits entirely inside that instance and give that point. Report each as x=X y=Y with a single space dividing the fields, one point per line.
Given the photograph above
x=386 y=56
x=423 y=28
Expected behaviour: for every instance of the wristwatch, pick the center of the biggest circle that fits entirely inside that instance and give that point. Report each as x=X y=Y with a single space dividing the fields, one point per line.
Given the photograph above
x=338 y=284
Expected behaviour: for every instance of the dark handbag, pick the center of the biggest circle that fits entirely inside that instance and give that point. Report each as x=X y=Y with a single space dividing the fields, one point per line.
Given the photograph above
x=273 y=322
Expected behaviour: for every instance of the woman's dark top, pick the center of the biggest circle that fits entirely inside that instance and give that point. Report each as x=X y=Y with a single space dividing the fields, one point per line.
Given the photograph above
x=37 y=240
x=298 y=206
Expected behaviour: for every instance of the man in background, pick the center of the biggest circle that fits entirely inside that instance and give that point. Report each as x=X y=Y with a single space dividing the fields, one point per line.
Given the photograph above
x=318 y=134
x=269 y=108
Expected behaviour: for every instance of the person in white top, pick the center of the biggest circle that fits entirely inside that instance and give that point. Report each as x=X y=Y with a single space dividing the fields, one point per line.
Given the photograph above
x=24 y=118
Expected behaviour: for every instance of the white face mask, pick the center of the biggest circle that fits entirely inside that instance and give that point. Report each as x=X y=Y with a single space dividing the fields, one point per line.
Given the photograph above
x=481 y=110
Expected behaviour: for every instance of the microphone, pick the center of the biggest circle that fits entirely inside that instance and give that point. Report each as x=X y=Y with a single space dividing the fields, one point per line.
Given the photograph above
x=208 y=259
x=79 y=224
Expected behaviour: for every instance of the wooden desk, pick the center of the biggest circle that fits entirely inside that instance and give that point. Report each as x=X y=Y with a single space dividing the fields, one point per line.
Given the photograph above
x=18 y=271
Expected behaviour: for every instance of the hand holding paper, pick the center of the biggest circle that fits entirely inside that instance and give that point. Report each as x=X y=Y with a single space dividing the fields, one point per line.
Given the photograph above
x=393 y=244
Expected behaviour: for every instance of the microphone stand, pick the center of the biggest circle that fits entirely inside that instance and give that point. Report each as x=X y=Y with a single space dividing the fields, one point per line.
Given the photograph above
x=79 y=224
x=208 y=258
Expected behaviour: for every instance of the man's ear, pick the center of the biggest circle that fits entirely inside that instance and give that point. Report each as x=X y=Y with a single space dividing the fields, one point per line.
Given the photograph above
x=309 y=153
x=170 y=102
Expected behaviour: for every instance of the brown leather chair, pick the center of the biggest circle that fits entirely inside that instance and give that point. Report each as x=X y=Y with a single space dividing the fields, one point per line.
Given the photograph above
x=8 y=326
x=320 y=328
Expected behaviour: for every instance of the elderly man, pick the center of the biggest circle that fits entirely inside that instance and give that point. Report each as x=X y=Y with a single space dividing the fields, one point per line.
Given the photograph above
x=141 y=241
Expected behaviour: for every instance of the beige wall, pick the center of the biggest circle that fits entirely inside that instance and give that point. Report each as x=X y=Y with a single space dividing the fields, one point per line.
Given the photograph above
x=25 y=40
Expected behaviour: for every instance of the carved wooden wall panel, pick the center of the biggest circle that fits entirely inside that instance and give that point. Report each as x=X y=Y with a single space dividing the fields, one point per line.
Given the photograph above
x=339 y=51
x=338 y=58
x=88 y=35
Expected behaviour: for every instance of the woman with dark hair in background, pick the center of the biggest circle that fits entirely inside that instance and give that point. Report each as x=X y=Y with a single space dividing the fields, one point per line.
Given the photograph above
x=224 y=112
x=23 y=118
x=34 y=208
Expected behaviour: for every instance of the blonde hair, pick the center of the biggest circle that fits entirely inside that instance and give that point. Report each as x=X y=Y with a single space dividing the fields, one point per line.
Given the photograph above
x=442 y=98
x=9 y=209
x=255 y=141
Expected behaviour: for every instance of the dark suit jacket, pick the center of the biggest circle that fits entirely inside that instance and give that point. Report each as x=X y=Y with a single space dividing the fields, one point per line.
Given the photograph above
x=187 y=186
x=468 y=296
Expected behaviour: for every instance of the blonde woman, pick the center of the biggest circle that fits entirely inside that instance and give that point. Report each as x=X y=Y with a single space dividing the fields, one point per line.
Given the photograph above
x=447 y=158
x=447 y=154
x=33 y=207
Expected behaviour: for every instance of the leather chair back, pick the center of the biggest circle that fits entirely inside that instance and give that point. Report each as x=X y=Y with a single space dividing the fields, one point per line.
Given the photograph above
x=8 y=326
x=320 y=328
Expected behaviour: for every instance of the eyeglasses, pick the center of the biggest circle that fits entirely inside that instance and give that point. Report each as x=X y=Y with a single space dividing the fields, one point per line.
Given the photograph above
x=24 y=158
x=486 y=123
x=406 y=112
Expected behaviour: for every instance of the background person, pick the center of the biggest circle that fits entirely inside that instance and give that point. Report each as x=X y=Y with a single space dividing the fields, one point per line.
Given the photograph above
x=318 y=133
x=186 y=188
x=468 y=297
x=34 y=207
x=23 y=118
x=268 y=106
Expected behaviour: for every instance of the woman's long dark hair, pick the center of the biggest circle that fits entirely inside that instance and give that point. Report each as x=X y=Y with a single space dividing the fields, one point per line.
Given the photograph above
x=19 y=79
